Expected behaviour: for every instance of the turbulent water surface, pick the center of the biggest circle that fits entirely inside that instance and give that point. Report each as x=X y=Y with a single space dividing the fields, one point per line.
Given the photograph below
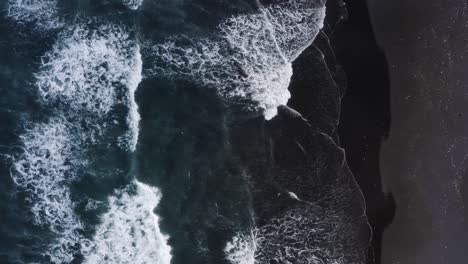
x=120 y=121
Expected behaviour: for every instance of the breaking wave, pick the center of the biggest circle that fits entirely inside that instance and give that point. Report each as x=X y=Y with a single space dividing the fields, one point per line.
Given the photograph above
x=241 y=249
x=250 y=56
x=129 y=232
x=40 y=14
x=44 y=169
x=88 y=72
x=92 y=71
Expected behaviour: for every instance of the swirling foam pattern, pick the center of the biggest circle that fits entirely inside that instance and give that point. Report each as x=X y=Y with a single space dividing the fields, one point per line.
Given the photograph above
x=40 y=14
x=92 y=70
x=133 y=4
x=44 y=169
x=87 y=73
x=241 y=249
x=250 y=56
x=305 y=234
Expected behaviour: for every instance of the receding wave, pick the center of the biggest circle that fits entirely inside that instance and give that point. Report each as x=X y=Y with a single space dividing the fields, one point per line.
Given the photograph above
x=129 y=232
x=305 y=234
x=249 y=57
x=41 y=14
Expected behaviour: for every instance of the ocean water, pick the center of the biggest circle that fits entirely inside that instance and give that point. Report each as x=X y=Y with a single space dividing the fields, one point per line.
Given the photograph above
x=120 y=121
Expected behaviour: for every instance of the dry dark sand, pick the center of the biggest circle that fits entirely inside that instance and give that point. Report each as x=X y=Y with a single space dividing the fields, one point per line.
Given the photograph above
x=423 y=162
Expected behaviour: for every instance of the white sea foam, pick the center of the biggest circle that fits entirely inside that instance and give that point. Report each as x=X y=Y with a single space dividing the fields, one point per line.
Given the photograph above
x=133 y=4
x=130 y=140
x=307 y=234
x=129 y=232
x=92 y=70
x=88 y=72
x=295 y=24
x=45 y=168
x=250 y=57
x=266 y=73
x=86 y=67
x=244 y=63
x=42 y=14
x=241 y=249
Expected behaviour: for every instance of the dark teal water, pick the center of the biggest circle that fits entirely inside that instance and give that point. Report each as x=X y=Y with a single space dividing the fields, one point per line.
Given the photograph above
x=127 y=128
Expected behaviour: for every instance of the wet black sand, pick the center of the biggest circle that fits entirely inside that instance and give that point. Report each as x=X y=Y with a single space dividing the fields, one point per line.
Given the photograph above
x=365 y=113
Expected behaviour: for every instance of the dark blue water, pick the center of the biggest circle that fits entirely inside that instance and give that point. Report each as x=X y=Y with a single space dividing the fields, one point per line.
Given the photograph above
x=137 y=132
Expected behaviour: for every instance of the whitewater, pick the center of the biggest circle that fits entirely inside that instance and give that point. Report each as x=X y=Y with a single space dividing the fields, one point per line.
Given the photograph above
x=92 y=68
x=250 y=57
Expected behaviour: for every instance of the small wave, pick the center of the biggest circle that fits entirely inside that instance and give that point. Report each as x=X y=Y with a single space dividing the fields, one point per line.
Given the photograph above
x=129 y=232
x=250 y=57
x=41 y=14
x=133 y=4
